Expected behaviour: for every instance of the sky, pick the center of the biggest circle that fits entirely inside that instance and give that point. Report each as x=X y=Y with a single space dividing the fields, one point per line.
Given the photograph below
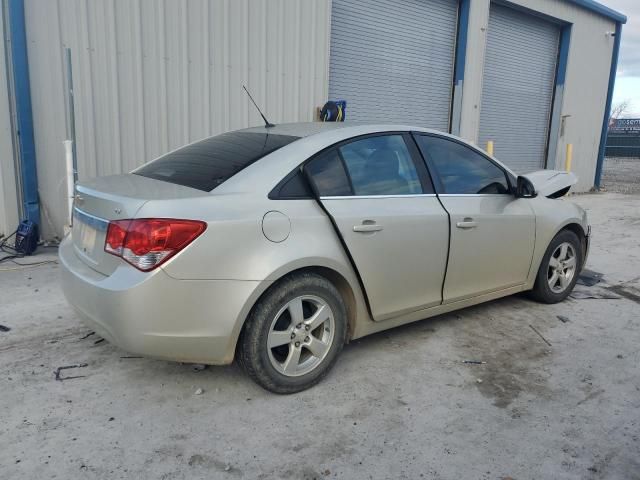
x=628 y=75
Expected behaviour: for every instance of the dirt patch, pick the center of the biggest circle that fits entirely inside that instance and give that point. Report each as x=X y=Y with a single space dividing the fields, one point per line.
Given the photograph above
x=515 y=355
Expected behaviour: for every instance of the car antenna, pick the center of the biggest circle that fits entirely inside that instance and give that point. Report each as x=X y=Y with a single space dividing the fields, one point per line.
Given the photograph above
x=267 y=123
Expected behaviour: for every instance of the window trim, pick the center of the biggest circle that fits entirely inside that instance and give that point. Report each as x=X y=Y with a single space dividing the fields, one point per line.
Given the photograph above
x=426 y=179
x=437 y=181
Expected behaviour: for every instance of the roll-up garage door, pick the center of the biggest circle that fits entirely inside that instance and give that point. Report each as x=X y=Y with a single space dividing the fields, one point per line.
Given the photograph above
x=518 y=85
x=392 y=60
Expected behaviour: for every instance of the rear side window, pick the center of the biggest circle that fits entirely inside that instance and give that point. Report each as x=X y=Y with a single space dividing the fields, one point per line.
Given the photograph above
x=462 y=170
x=329 y=177
x=381 y=165
x=206 y=164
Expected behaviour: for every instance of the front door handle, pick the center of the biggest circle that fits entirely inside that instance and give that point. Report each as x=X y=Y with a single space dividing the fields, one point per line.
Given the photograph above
x=467 y=223
x=367 y=227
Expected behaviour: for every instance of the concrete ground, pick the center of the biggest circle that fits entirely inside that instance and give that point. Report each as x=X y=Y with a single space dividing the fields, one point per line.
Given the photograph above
x=400 y=404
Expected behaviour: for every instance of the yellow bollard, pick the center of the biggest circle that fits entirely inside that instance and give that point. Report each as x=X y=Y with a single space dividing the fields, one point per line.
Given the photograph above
x=569 y=157
x=490 y=147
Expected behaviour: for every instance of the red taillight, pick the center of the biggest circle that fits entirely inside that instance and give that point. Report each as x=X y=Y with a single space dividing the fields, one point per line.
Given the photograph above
x=148 y=242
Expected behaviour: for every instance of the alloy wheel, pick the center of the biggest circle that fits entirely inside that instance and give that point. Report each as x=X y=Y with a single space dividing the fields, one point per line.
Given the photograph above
x=301 y=335
x=562 y=267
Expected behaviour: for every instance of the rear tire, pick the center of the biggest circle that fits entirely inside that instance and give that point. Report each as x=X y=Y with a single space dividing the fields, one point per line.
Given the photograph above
x=559 y=269
x=294 y=334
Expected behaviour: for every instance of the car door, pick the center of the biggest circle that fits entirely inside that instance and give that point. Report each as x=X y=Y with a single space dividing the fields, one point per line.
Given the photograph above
x=492 y=231
x=377 y=190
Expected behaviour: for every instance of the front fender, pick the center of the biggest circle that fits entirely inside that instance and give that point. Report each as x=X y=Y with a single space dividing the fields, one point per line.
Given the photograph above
x=552 y=216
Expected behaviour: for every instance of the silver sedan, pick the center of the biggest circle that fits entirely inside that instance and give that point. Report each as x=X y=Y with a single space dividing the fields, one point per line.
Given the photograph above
x=277 y=245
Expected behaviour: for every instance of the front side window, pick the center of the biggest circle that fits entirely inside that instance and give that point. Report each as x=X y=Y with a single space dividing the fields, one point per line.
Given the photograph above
x=381 y=165
x=461 y=170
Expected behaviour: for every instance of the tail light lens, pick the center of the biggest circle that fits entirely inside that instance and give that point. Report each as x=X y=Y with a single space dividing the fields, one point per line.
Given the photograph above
x=146 y=243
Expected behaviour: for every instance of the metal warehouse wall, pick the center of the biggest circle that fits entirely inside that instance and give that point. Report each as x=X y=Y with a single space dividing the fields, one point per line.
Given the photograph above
x=8 y=197
x=152 y=75
x=585 y=87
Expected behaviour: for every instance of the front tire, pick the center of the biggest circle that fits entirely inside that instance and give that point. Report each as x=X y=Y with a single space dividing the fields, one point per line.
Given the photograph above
x=559 y=269
x=294 y=334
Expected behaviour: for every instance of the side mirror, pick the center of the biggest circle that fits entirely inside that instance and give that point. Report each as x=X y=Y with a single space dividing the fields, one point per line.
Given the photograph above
x=525 y=188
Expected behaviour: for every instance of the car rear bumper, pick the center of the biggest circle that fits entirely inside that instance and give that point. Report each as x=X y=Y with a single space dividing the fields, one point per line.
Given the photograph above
x=155 y=315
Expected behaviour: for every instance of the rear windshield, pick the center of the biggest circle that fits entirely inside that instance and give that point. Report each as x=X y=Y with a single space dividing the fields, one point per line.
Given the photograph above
x=206 y=164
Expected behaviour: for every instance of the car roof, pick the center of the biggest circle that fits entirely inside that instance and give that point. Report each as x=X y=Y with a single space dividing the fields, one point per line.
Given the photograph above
x=307 y=129
x=345 y=130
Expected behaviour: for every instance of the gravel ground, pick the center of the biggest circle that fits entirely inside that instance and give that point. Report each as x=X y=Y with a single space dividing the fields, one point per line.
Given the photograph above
x=621 y=175
x=400 y=404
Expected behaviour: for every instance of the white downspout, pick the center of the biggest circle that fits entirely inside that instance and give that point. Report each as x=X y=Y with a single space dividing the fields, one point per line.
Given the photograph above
x=68 y=156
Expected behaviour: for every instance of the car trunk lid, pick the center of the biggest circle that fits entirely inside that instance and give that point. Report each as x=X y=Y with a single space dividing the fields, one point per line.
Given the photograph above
x=117 y=197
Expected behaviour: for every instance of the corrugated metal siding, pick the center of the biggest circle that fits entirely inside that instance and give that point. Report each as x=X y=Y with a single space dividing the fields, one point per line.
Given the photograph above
x=8 y=190
x=392 y=61
x=518 y=83
x=151 y=75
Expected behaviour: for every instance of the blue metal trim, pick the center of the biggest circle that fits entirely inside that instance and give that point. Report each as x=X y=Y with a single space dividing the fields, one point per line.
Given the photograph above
x=607 y=108
x=458 y=66
x=461 y=41
x=563 y=54
x=24 y=116
x=600 y=9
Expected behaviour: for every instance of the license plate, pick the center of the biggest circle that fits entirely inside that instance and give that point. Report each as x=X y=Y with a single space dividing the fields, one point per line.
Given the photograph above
x=85 y=234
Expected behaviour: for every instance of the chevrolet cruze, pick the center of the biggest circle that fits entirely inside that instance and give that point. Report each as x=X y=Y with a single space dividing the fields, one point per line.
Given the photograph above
x=277 y=245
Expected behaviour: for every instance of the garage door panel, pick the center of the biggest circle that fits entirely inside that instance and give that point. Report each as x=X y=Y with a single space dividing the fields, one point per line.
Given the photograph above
x=518 y=85
x=393 y=60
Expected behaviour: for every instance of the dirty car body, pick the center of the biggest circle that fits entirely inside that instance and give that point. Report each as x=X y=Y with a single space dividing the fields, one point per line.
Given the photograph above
x=177 y=259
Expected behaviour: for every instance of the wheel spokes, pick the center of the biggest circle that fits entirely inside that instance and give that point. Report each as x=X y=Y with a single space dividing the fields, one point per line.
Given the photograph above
x=571 y=262
x=318 y=318
x=290 y=365
x=564 y=248
x=564 y=280
x=278 y=338
x=295 y=310
x=317 y=347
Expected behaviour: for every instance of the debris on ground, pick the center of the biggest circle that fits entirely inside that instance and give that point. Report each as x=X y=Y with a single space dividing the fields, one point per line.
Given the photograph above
x=563 y=319
x=474 y=362
x=626 y=291
x=540 y=335
x=597 y=293
x=87 y=335
x=98 y=341
x=589 y=278
x=66 y=367
x=4 y=328
x=196 y=367
x=199 y=391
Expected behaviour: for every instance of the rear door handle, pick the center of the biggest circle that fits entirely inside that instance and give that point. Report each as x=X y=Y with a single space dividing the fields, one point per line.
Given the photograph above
x=467 y=223
x=367 y=227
